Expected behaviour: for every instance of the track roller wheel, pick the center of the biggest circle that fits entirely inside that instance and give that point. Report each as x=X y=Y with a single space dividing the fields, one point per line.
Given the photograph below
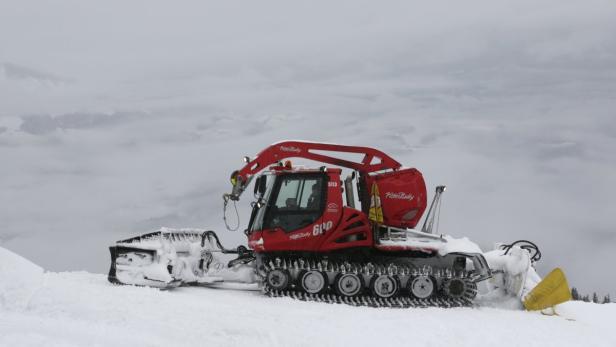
x=384 y=286
x=278 y=279
x=313 y=281
x=348 y=284
x=422 y=286
x=459 y=288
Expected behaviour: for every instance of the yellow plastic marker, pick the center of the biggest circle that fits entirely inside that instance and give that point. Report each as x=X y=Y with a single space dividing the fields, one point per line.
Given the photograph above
x=375 y=213
x=553 y=290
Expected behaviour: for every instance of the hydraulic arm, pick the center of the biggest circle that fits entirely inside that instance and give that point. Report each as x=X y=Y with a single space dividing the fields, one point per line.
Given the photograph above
x=373 y=160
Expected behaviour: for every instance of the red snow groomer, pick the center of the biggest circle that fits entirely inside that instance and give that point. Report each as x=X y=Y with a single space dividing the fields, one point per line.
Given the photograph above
x=316 y=235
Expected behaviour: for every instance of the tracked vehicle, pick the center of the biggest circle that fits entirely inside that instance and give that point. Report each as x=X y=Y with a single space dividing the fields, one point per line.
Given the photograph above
x=316 y=235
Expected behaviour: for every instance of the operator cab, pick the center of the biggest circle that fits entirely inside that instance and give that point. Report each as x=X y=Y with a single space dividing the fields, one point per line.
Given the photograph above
x=288 y=200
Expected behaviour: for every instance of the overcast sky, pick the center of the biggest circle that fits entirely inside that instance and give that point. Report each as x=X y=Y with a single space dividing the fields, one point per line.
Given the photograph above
x=120 y=117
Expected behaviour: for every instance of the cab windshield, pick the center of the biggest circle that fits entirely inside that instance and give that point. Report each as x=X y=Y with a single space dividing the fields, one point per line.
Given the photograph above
x=258 y=210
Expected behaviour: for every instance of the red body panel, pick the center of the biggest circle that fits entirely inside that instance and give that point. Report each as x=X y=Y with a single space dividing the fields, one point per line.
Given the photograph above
x=353 y=230
x=338 y=227
x=350 y=230
x=403 y=196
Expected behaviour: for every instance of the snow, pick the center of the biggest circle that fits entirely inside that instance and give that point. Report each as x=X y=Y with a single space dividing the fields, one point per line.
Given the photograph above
x=19 y=280
x=79 y=308
x=462 y=244
x=516 y=263
x=442 y=244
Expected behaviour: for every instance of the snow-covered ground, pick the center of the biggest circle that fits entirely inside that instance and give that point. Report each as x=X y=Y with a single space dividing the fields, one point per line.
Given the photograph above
x=78 y=308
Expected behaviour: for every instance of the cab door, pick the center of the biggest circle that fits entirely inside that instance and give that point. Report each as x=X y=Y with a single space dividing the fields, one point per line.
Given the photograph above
x=296 y=205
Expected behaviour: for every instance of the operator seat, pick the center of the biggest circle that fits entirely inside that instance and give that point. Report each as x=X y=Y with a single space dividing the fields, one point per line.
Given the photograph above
x=291 y=204
x=315 y=197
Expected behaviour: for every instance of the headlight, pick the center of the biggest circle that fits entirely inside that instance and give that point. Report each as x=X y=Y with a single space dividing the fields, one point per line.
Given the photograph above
x=234 y=178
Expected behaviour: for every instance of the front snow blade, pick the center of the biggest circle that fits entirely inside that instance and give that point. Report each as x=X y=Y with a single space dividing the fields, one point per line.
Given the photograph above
x=553 y=290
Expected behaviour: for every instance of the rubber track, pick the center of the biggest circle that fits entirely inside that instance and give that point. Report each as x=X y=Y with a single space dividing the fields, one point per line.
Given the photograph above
x=399 y=301
x=364 y=300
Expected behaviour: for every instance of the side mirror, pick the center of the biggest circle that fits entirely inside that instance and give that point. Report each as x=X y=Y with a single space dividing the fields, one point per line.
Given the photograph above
x=257 y=185
x=262 y=184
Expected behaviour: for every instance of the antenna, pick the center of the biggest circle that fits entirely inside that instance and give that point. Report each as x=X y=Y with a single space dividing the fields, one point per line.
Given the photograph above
x=434 y=206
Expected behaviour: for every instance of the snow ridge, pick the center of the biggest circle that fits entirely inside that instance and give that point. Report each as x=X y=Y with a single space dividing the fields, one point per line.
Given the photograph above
x=79 y=308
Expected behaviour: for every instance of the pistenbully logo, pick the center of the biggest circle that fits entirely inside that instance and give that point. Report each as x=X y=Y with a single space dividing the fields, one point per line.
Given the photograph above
x=290 y=149
x=399 y=195
x=299 y=236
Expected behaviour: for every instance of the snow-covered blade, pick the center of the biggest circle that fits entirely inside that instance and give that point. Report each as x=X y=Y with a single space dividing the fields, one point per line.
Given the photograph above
x=172 y=257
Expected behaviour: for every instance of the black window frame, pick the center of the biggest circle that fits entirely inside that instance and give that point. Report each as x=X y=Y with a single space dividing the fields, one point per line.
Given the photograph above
x=267 y=220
